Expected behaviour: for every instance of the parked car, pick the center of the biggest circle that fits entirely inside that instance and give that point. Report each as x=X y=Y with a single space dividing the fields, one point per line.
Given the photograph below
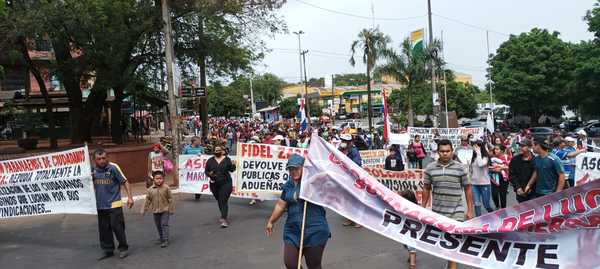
x=570 y=125
x=541 y=132
x=593 y=129
x=474 y=124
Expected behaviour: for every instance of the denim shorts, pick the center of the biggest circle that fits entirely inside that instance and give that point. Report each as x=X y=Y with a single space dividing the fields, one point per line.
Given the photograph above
x=410 y=249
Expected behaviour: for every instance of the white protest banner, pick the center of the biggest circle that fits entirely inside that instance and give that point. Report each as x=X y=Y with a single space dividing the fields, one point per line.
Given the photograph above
x=373 y=158
x=261 y=167
x=398 y=181
x=54 y=183
x=587 y=168
x=559 y=230
x=193 y=180
x=453 y=134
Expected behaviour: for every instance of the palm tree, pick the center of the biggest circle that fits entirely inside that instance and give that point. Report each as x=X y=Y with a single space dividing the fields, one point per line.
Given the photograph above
x=372 y=43
x=411 y=67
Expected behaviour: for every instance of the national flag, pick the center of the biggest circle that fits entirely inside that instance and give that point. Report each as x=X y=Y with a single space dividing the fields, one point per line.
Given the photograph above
x=302 y=114
x=416 y=41
x=386 y=118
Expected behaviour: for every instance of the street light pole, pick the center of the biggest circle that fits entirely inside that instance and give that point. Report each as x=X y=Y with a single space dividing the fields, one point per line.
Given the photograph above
x=299 y=51
x=436 y=102
x=171 y=87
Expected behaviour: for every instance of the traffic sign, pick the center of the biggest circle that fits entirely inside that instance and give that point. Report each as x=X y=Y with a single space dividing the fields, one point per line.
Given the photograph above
x=201 y=92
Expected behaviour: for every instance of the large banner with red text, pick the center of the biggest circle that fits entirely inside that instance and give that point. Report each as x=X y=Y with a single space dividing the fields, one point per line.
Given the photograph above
x=54 y=183
x=559 y=230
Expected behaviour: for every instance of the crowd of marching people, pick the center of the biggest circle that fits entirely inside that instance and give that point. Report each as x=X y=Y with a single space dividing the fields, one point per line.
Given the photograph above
x=479 y=170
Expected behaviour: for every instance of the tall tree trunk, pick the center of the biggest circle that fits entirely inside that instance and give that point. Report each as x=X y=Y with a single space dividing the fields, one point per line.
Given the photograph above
x=411 y=118
x=369 y=104
x=93 y=110
x=115 y=116
x=202 y=66
x=40 y=80
x=70 y=75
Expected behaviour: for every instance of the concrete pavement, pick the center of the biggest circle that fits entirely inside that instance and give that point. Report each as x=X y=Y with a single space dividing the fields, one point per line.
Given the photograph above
x=71 y=241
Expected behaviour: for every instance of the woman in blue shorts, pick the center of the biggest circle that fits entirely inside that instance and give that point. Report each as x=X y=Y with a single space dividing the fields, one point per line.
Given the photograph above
x=316 y=230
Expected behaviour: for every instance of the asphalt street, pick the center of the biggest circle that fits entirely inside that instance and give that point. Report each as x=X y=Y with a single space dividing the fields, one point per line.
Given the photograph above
x=71 y=241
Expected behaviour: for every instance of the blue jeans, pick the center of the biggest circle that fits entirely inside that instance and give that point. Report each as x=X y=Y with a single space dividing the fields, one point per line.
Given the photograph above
x=481 y=195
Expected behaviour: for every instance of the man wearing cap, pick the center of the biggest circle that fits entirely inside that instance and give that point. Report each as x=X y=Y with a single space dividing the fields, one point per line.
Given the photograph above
x=353 y=153
x=585 y=142
x=549 y=175
x=569 y=163
x=521 y=169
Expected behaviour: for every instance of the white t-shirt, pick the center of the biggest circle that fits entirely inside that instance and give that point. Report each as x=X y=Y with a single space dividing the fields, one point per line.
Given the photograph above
x=156 y=160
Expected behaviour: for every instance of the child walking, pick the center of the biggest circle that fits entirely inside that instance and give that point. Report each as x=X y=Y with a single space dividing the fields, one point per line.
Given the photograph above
x=412 y=252
x=159 y=201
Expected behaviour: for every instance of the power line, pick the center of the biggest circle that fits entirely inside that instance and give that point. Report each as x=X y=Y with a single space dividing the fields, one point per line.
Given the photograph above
x=469 y=25
x=359 y=16
x=401 y=18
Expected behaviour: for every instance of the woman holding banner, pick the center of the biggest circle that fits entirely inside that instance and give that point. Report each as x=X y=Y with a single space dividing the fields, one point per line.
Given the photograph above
x=218 y=169
x=305 y=221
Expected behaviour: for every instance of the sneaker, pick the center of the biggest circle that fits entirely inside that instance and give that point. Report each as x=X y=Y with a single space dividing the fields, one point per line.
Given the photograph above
x=252 y=202
x=123 y=254
x=224 y=224
x=164 y=244
x=347 y=223
x=106 y=255
x=356 y=225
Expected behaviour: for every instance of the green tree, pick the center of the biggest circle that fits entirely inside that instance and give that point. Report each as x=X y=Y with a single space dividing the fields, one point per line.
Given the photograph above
x=370 y=43
x=288 y=107
x=531 y=72
x=225 y=101
x=267 y=87
x=410 y=68
x=586 y=83
x=120 y=41
x=351 y=79
x=461 y=98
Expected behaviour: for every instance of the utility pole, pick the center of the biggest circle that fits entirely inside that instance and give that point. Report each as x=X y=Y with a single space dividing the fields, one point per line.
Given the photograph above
x=253 y=106
x=445 y=83
x=436 y=102
x=306 y=102
x=171 y=88
x=299 y=51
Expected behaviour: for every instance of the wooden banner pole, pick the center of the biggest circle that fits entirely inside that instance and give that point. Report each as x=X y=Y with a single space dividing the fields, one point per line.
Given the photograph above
x=302 y=236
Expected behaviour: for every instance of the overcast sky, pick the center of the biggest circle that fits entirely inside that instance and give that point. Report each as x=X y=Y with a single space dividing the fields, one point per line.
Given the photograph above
x=328 y=35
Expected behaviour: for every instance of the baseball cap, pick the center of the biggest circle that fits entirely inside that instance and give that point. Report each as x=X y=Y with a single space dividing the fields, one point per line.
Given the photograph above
x=570 y=139
x=582 y=132
x=157 y=145
x=294 y=160
x=526 y=143
x=346 y=137
x=278 y=137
